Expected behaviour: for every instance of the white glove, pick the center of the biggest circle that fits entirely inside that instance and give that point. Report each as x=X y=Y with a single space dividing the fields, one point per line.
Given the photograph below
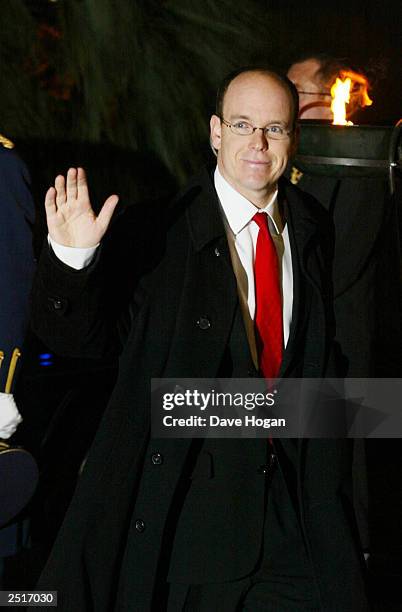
x=9 y=415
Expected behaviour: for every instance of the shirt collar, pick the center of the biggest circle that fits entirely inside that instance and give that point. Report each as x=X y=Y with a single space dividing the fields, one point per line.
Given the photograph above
x=239 y=211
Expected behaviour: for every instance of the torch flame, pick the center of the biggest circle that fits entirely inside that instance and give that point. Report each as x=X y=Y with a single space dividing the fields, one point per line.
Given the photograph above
x=340 y=92
x=350 y=88
x=360 y=86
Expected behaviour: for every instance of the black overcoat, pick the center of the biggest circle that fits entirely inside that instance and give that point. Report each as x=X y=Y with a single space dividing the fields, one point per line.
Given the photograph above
x=125 y=498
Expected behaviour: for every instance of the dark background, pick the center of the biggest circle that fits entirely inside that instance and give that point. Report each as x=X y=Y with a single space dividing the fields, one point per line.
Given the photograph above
x=142 y=75
x=130 y=84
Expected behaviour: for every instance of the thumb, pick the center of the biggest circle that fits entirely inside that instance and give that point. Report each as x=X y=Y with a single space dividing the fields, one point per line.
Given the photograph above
x=107 y=211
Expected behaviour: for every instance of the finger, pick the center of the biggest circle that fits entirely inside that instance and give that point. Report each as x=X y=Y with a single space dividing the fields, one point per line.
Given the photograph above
x=59 y=184
x=107 y=211
x=71 y=184
x=50 y=201
x=82 y=185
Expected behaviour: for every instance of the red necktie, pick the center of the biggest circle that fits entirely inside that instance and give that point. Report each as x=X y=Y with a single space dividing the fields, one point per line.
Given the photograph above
x=268 y=301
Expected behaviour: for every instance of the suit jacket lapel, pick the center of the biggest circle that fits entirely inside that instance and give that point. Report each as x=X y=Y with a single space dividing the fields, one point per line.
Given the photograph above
x=242 y=290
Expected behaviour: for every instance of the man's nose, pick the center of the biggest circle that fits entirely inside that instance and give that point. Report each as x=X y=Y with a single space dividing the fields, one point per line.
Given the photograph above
x=258 y=140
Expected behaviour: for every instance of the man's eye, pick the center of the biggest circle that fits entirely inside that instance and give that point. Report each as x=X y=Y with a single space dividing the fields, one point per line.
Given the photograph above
x=275 y=129
x=241 y=125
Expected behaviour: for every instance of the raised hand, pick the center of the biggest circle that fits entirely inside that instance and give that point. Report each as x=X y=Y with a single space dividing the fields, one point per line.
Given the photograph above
x=70 y=218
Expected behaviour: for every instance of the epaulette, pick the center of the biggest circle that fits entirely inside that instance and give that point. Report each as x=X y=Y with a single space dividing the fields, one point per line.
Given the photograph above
x=6 y=143
x=295 y=175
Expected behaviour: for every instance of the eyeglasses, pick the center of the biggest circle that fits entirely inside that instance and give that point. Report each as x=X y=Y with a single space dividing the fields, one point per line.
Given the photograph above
x=242 y=128
x=314 y=93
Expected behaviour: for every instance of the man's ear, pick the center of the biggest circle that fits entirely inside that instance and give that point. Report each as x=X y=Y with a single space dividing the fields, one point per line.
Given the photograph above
x=215 y=133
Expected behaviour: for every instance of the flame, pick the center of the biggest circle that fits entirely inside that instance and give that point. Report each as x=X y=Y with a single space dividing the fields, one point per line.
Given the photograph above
x=350 y=89
x=360 y=87
x=340 y=92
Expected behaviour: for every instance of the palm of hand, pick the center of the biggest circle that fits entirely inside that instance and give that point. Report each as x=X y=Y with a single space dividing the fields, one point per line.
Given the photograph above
x=70 y=217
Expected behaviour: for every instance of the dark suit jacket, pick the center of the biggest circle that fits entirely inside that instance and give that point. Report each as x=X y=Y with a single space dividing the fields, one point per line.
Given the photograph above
x=122 y=486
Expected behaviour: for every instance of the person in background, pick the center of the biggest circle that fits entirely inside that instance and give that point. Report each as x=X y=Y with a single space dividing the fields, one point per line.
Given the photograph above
x=366 y=265
x=366 y=269
x=17 y=262
x=313 y=76
x=17 y=267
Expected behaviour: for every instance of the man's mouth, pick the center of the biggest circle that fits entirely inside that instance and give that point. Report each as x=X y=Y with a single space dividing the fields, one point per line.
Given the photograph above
x=257 y=163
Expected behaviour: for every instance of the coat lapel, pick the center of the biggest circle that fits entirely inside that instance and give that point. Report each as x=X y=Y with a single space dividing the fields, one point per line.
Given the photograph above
x=303 y=224
x=302 y=227
x=209 y=297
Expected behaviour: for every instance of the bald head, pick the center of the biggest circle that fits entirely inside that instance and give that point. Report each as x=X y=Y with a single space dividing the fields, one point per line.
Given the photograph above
x=281 y=80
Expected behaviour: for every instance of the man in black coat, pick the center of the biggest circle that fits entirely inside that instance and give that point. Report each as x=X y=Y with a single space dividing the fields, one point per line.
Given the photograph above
x=160 y=524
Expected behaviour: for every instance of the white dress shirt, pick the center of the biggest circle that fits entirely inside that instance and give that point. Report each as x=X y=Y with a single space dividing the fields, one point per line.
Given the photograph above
x=75 y=257
x=238 y=213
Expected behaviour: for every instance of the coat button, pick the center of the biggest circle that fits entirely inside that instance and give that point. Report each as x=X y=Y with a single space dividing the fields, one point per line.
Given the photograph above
x=140 y=525
x=57 y=304
x=204 y=323
x=269 y=468
x=157 y=458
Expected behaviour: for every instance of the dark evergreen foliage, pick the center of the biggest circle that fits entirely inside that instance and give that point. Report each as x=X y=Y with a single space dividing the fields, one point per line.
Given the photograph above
x=140 y=75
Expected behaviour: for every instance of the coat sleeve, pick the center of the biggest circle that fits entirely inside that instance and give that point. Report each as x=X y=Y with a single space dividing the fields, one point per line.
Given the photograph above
x=88 y=313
